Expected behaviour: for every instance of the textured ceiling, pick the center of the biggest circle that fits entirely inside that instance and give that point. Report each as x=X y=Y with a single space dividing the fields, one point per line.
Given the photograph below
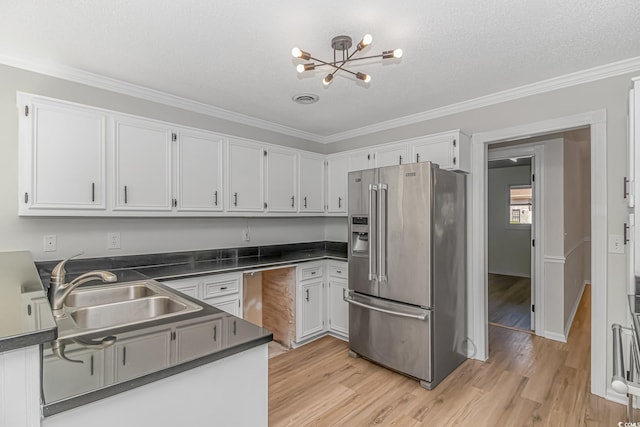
x=236 y=54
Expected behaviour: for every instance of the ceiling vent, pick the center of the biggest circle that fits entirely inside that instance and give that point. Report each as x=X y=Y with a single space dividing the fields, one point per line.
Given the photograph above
x=305 y=98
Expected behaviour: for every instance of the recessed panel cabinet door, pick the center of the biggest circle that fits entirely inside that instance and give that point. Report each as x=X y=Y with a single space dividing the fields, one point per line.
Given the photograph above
x=360 y=161
x=199 y=172
x=245 y=177
x=337 y=174
x=67 y=158
x=143 y=165
x=391 y=156
x=142 y=355
x=198 y=340
x=338 y=307
x=311 y=197
x=310 y=308
x=62 y=379
x=282 y=178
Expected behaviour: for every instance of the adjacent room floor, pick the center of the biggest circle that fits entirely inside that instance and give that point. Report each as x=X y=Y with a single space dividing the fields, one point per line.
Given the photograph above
x=510 y=301
x=527 y=380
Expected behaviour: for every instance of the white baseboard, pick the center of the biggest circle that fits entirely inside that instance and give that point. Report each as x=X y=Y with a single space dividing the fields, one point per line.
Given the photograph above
x=567 y=327
x=555 y=336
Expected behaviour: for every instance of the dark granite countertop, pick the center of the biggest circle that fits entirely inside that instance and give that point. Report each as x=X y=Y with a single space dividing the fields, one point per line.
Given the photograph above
x=21 y=324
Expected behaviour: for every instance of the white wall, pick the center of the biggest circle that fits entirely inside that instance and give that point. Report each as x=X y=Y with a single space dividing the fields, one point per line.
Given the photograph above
x=509 y=246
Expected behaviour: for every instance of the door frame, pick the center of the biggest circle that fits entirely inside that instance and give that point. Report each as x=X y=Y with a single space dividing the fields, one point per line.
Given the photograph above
x=477 y=218
x=536 y=152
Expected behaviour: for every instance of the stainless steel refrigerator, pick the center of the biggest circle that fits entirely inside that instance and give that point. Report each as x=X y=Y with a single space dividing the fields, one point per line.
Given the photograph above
x=407 y=269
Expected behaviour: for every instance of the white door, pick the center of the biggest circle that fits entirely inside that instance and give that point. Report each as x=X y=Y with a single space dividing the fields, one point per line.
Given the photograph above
x=142 y=355
x=337 y=175
x=282 y=178
x=199 y=171
x=198 y=340
x=66 y=161
x=338 y=307
x=245 y=177
x=311 y=308
x=360 y=160
x=143 y=165
x=390 y=156
x=311 y=197
x=438 y=149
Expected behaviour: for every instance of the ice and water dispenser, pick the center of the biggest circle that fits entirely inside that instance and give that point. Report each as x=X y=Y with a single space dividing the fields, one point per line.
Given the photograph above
x=359 y=235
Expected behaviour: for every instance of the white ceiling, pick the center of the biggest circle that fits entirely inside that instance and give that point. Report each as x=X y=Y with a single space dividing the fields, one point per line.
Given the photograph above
x=235 y=55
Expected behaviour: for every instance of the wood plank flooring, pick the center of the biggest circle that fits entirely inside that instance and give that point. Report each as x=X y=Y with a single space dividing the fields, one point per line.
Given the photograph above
x=510 y=301
x=527 y=381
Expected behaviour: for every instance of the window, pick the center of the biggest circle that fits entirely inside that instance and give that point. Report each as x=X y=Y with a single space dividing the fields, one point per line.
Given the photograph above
x=520 y=204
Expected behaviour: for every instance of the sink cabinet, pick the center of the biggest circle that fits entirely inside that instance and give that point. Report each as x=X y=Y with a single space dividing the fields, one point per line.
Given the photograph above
x=62 y=378
x=193 y=341
x=222 y=290
x=143 y=354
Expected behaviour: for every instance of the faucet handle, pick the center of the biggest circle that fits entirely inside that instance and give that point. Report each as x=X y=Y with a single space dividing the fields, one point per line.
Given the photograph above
x=58 y=274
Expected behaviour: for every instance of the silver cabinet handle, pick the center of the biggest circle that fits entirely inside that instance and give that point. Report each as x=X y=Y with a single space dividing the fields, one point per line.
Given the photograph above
x=223 y=288
x=382 y=233
x=293 y=198
x=125 y=194
x=417 y=157
x=339 y=202
x=93 y=191
x=29 y=309
x=382 y=310
x=373 y=193
x=91 y=366
x=234 y=327
x=307 y=295
x=124 y=356
x=305 y=202
x=215 y=198
x=339 y=271
x=400 y=162
x=215 y=332
x=235 y=199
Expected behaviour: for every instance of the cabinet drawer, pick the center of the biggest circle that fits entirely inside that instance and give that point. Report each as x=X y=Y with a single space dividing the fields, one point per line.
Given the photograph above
x=338 y=271
x=311 y=272
x=216 y=288
x=186 y=286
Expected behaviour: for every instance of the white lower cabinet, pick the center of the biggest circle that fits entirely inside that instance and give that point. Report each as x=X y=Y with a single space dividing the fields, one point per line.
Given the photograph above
x=310 y=300
x=140 y=355
x=198 y=340
x=87 y=376
x=219 y=290
x=338 y=308
x=229 y=304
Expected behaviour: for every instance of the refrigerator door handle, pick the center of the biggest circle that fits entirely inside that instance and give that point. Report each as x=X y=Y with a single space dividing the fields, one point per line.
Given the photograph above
x=382 y=233
x=384 y=310
x=373 y=192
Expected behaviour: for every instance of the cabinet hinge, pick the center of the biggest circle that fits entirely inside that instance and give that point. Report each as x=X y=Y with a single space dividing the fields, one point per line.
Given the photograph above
x=265 y=152
x=26 y=111
x=265 y=205
x=454 y=142
x=174 y=202
x=533 y=308
x=174 y=136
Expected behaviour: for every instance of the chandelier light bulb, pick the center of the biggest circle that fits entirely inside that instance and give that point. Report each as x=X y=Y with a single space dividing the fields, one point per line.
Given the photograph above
x=327 y=79
x=296 y=52
x=300 y=68
x=364 y=77
x=367 y=39
x=397 y=53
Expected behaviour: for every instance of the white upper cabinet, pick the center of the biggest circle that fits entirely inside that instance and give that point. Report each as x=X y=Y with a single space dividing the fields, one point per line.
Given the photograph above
x=360 y=160
x=311 y=196
x=199 y=159
x=142 y=152
x=281 y=179
x=337 y=174
x=245 y=172
x=450 y=150
x=396 y=154
x=62 y=156
x=629 y=181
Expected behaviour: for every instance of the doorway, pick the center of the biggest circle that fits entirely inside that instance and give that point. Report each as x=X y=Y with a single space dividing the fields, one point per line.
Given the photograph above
x=510 y=221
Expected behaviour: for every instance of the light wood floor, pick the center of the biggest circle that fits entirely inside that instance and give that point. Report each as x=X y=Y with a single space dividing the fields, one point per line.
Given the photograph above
x=526 y=381
x=510 y=301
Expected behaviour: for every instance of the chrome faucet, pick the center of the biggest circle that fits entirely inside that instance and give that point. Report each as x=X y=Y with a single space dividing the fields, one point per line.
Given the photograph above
x=59 y=289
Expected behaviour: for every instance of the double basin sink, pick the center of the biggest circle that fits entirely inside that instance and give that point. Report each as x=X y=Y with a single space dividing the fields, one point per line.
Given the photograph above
x=103 y=308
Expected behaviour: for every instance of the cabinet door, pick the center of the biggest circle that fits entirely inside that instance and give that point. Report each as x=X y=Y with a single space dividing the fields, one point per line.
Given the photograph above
x=199 y=171
x=143 y=165
x=245 y=177
x=337 y=174
x=62 y=379
x=311 y=198
x=239 y=331
x=198 y=340
x=64 y=164
x=391 y=156
x=438 y=150
x=338 y=308
x=282 y=177
x=229 y=304
x=142 y=355
x=310 y=309
x=360 y=161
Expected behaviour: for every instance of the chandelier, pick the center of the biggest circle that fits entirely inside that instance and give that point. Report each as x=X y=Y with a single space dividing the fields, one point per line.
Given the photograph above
x=341 y=46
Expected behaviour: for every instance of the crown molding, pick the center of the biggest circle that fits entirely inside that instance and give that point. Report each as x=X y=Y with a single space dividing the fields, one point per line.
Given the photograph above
x=146 y=93
x=138 y=91
x=585 y=76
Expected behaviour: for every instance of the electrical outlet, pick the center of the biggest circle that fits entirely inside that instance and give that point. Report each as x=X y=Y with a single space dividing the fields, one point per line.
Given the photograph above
x=50 y=243
x=113 y=240
x=616 y=245
x=245 y=235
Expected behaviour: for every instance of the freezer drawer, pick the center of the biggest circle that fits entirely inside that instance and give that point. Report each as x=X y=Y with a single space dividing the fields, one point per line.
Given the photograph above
x=395 y=335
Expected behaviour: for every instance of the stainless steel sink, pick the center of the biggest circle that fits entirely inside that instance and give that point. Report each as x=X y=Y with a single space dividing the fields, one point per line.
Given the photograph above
x=93 y=310
x=126 y=312
x=85 y=297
